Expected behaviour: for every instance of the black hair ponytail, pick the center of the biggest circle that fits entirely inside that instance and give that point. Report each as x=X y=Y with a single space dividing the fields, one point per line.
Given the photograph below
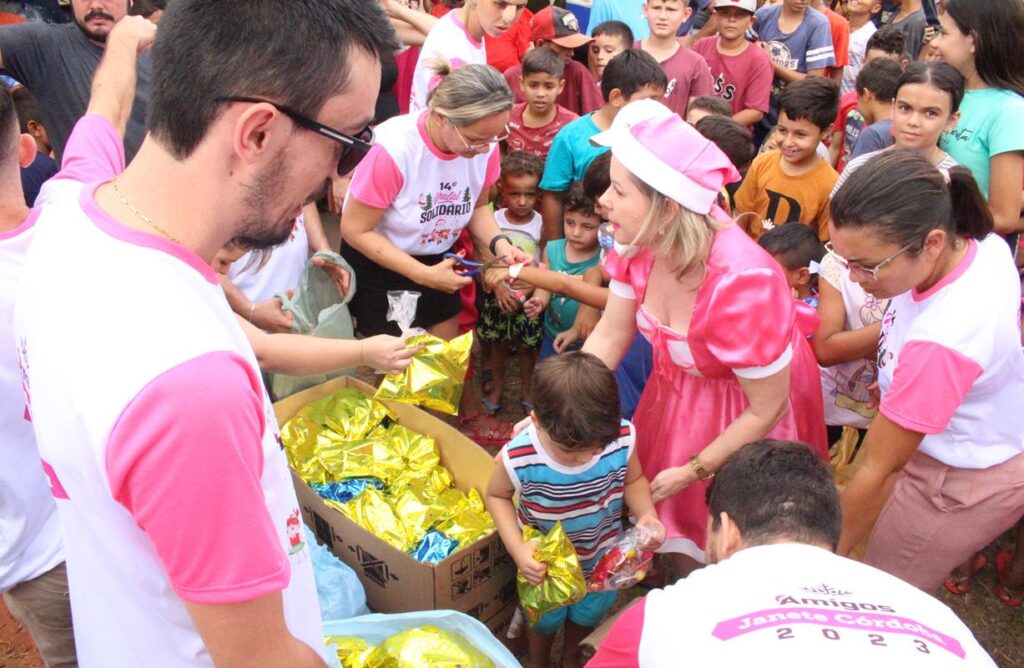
x=969 y=212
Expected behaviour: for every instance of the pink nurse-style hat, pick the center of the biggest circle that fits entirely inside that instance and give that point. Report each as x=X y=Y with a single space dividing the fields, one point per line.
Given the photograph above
x=668 y=154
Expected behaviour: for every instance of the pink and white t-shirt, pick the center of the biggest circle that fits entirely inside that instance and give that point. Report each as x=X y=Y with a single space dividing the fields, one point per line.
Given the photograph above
x=794 y=605
x=282 y=271
x=428 y=196
x=960 y=340
x=450 y=39
x=156 y=434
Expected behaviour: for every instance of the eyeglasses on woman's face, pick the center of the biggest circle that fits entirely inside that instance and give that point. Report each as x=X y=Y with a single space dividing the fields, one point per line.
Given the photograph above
x=863 y=270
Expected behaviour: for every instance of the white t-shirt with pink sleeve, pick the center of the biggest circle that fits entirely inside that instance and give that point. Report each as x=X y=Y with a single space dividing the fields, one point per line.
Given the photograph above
x=449 y=39
x=156 y=434
x=950 y=364
x=428 y=196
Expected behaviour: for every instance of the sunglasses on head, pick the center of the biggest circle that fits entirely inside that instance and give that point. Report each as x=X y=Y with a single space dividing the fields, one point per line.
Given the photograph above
x=353 y=148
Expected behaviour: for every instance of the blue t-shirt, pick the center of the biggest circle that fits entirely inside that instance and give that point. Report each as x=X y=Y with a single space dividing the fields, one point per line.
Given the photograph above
x=990 y=123
x=630 y=12
x=874 y=137
x=809 y=47
x=570 y=155
x=35 y=175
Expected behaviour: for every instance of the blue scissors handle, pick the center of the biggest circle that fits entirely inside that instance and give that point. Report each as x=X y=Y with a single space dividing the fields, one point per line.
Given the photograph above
x=465 y=267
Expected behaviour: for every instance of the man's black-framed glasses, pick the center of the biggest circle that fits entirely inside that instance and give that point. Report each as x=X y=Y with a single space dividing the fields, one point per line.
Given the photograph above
x=353 y=148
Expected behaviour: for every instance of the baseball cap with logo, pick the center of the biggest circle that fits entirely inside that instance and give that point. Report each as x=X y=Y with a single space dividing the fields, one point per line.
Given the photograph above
x=748 y=5
x=554 y=24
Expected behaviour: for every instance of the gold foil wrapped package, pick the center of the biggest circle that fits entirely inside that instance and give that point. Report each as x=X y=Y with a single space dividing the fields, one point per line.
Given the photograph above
x=371 y=511
x=300 y=437
x=419 y=452
x=564 y=583
x=436 y=376
x=349 y=413
x=462 y=521
x=428 y=646
x=352 y=652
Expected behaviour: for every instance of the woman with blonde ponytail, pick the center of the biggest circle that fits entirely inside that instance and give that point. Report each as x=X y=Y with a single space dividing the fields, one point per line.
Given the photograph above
x=731 y=366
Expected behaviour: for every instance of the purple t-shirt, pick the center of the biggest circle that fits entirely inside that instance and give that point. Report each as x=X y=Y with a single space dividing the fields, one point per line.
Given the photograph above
x=688 y=76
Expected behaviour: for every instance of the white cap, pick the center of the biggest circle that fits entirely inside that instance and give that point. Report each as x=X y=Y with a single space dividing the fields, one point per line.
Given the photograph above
x=749 y=5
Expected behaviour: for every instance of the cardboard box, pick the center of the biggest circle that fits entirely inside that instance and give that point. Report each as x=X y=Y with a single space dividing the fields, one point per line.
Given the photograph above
x=478 y=580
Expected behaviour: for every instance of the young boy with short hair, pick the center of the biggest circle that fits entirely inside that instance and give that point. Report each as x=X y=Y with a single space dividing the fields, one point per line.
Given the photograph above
x=704 y=106
x=557 y=30
x=576 y=464
x=876 y=87
x=502 y=322
x=534 y=123
x=798 y=251
x=608 y=39
x=742 y=73
x=793 y=183
x=631 y=75
x=911 y=21
x=798 y=40
x=686 y=70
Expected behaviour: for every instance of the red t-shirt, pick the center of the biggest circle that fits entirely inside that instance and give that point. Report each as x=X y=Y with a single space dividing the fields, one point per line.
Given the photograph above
x=508 y=50
x=535 y=140
x=840 y=28
x=580 y=95
x=743 y=80
x=847 y=103
x=688 y=76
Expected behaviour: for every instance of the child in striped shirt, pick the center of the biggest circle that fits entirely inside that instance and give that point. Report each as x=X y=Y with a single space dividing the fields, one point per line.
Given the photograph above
x=576 y=464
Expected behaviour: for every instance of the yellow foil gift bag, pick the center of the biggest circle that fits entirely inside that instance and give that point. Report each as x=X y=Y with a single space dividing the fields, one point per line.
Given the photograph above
x=564 y=583
x=428 y=647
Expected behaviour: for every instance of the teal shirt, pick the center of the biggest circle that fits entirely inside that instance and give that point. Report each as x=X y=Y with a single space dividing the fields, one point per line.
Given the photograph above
x=991 y=123
x=570 y=155
x=561 y=311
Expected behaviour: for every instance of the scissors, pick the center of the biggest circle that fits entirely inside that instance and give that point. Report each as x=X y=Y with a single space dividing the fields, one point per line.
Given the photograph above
x=470 y=268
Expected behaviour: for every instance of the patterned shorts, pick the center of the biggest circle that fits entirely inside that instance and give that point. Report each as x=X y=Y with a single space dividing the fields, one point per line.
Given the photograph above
x=497 y=326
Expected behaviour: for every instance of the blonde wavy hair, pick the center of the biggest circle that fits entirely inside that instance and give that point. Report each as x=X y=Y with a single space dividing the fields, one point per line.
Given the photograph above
x=468 y=93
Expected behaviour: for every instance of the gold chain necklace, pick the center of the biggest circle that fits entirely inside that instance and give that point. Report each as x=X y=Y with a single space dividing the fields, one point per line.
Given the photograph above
x=141 y=216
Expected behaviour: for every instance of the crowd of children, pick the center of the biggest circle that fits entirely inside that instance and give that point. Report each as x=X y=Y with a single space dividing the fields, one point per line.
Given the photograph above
x=663 y=202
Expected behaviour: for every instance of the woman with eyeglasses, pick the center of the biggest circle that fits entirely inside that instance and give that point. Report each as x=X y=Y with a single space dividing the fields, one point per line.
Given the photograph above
x=943 y=471
x=426 y=179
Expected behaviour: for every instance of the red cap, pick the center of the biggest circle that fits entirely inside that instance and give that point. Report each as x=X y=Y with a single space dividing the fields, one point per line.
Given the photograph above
x=554 y=24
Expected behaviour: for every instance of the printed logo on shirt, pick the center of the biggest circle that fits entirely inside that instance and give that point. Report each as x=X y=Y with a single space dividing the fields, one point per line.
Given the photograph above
x=727 y=91
x=776 y=198
x=293 y=525
x=780 y=55
x=23 y=370
x=448 y=201
x=960 y=134
x=671 y=87
x=884 y=354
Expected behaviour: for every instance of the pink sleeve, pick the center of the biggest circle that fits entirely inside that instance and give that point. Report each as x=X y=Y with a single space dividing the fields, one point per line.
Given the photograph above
x=94 y=151
x=750 y=322
x=621 y=647
x=946 y=373
x=493 y=168
x=185 y=459
x=377 y=180
x=628 y=274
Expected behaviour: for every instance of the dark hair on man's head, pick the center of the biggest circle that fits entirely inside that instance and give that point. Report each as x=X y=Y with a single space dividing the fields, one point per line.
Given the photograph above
x=614 y=29
x=543 y=61
x=997 y=26
x=631 y=71
x=147 y=7
x=576 y=199
x=900 y=197
x=794 y=245
x=521 y=163
x=777 y=491
x=815 y=99
x=28 y=108
x=881 y=76
x=294 y=52
x=576 y=401
x=8 y=126
x=733 y=138
x=598 y=177
x=712 y=104
x=888 y=39
x=940 y=76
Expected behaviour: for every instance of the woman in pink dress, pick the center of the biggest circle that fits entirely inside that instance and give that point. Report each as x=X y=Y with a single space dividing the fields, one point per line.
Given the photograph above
x=732 y=363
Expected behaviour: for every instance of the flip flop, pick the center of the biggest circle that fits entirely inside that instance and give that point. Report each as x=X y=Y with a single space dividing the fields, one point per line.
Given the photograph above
x=962 y=586
x=1007 y=596
x=485 y=430
x=489 y=406
x=527 y=406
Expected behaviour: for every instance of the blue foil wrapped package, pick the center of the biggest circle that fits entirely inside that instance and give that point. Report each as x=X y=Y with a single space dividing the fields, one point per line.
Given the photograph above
x=434 y=547
x=344 y=491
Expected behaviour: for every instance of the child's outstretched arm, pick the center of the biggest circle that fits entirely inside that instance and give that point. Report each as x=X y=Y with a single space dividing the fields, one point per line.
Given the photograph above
x=498 y=500
x=553 y=281
x=639 y=502
x=833 y=343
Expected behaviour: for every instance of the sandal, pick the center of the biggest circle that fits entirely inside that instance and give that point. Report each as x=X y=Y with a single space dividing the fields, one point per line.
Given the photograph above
x=485 y=430
x=527 y=406
x=1007 y=596
x=489 y=406
x=961 y=586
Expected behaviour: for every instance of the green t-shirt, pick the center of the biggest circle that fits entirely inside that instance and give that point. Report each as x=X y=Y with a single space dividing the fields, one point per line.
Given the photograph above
x=561 y=311
x=991 y=123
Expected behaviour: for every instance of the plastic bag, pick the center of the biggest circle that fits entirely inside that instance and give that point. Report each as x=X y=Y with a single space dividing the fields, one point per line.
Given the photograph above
x=338 y=588
x=436 y=376
x=316 y=311
x=564 y=583
x=625 y=563
x=376 y=629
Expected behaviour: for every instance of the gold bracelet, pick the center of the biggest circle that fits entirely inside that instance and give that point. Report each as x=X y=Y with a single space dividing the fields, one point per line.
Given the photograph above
x=699 y=469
